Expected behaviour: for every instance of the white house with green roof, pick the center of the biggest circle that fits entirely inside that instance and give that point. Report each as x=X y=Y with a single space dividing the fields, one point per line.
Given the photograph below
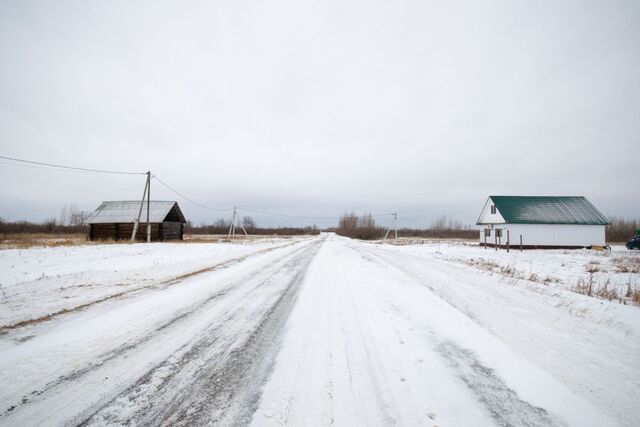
x=541 y=222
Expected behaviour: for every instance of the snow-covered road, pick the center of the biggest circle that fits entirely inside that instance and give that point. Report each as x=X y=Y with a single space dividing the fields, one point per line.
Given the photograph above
x=326 y=331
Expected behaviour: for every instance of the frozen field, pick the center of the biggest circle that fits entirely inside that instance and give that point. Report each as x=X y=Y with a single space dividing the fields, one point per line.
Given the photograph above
x=612 y=274
x=316 y=331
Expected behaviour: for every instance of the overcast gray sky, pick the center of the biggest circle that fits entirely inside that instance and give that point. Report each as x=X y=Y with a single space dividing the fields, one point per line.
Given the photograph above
x=317 y=107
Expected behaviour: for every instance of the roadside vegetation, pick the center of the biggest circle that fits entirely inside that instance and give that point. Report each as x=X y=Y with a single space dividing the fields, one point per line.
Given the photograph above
x=69 y=230
x=365 y=227
x=596 y=280
x=221 y=227
x=620 y=230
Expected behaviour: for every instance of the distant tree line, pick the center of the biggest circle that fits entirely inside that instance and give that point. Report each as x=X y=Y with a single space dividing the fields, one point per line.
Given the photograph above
x=364 y=227
x=70 y=220
x=221 y=226
x=621 y=229
x=50 y=225
x=359 y=227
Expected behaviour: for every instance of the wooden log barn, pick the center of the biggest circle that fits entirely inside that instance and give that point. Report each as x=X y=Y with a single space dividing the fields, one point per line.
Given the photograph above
x=115 y=220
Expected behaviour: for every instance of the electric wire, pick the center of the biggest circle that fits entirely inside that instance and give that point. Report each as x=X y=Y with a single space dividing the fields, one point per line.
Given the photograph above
x=188 y=199
x=300 y=216
x=283 y=215
x=53 y=165
x=167 y=186
x=414 y=222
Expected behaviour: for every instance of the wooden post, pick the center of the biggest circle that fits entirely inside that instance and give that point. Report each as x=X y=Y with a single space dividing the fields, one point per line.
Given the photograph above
x=137 y=221
x=485 y=238
x=495 y=238
x=395 y=221
x=508 y=241
x=232 y=227
x=148 y=205
x=521 y=243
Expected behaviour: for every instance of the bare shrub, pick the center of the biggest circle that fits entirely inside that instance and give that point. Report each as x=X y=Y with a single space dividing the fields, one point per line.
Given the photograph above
x=442 y=227
x=507 y=270
x=49 y=225
x=359 y=227
x=248 y=223
x=621 y=229
x=604 y=291
x=221 y=227
x=625 y=264
x=584 y=287
x=591 y=268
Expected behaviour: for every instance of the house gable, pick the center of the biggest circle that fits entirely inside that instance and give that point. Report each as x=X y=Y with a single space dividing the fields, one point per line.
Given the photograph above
x=487 y=217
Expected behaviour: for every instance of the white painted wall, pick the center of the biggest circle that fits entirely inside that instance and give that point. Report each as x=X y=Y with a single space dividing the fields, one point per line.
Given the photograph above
x=549 y=234
x=486 y=217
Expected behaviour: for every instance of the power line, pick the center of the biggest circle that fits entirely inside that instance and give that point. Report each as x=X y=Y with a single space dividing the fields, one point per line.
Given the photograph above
x=258 y=212
x=300 y=216
x=414 y=222
x=188 y=199
x=285 y=215
x=71 y=167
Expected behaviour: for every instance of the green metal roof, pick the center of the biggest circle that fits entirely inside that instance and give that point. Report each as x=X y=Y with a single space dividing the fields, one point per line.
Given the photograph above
x=548 y=210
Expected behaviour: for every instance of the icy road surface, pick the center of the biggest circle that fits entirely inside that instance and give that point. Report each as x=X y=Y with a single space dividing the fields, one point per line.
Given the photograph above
x=312 y=332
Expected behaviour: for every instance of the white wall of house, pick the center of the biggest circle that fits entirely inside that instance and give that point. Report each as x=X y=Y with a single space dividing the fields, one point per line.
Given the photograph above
x=486 y=217
x=548 y=234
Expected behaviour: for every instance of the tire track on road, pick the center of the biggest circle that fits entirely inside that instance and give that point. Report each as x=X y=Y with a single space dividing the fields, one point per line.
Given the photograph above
x=236 y=287
x=163 y=284
x=500 y=401
x=217 y=378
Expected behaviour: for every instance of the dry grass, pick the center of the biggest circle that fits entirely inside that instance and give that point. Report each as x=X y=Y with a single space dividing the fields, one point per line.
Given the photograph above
x=591 y=288
x=407 y=241
x=223 y=238
x=626 y=264
x=633 y=294
x=592 y=268
x=32 y=240
x=589 y=285
x=29 y=240
x=509 y=271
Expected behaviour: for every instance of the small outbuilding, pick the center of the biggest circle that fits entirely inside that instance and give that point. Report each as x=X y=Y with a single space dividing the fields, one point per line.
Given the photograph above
x=541 y=222
x=115 y=220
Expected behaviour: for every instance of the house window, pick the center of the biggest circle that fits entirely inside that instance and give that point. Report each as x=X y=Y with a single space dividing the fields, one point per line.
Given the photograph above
x=493 y=209
x=487 y=232
x=498 y=232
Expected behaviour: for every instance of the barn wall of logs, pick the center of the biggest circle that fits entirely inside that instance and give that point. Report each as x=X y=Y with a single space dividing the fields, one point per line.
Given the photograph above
x=122 y=231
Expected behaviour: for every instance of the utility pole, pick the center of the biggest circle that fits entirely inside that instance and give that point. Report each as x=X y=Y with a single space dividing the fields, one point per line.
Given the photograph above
x=235 y=221
x=395 y=221
x=394 y=226
x=148 y=206
x=137 y=221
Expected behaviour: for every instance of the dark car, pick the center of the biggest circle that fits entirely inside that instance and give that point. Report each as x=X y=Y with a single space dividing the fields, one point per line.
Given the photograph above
x=633 y=243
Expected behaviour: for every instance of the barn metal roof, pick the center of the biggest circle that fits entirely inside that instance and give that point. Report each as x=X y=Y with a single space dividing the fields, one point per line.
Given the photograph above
x=127 y=212
x=548 y=210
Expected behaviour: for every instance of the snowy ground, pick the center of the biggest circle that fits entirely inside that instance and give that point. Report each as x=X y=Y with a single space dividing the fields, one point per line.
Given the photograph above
x=42 y=281
x=614 y=274
x=315 y=331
